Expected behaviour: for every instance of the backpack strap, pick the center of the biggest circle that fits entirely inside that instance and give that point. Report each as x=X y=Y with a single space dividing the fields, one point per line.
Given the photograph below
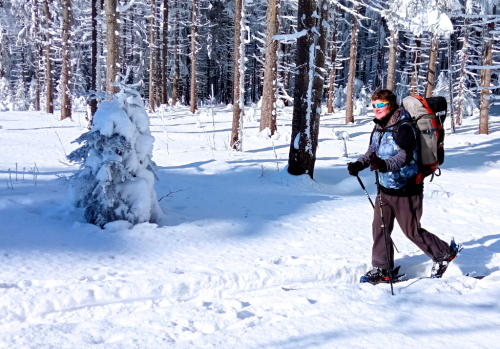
x=424 y=103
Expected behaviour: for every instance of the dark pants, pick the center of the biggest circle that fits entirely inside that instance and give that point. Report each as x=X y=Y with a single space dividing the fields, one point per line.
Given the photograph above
x=407 y=211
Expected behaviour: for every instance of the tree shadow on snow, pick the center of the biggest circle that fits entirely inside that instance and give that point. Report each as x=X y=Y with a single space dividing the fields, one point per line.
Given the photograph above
x=239 y=197
x=36 y=218
x=470 y=260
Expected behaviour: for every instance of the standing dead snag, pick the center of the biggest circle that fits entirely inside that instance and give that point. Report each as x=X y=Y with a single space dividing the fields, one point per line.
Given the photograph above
x=486 y=80
x=310 y=60
x=152 y=49
x=331 y=82
x=49 y=80
x=415 y=66
x=175 y=80
x=349 y=107
x=194 y=33
x=268 y=110
x=463 y=60
x=66 y=65
x=391 y=69
x=112 y=51
x=93 y=67
x=431 y=70
x=239 y=76
x=164 y=92
x=37 y=54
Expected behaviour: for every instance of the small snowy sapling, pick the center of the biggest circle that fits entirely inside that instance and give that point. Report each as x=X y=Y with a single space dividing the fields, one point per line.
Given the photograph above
x=116 y=177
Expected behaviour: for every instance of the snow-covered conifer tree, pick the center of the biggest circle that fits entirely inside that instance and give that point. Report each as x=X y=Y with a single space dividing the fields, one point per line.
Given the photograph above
x=4 y=94
x=117 y=177
x=20 y=96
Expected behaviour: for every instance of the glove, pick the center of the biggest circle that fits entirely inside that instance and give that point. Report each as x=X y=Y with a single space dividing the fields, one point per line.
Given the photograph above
x=354 y=168
x=377 y=163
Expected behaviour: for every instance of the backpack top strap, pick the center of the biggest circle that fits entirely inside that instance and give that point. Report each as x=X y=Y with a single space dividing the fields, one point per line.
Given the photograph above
x=424 y=103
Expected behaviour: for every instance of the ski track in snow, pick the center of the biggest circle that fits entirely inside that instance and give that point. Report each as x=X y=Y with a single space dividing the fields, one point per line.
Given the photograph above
x=235 y=232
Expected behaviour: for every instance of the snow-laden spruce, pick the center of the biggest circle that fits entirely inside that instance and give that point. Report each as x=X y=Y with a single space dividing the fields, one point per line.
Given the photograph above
x=117 y=177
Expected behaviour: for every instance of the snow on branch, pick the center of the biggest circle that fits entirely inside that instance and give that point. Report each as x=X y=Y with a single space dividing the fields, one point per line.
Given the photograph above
x=290 y=37
x=123 y=8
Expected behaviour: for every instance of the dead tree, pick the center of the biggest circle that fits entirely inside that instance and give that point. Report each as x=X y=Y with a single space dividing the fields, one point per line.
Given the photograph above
x=175 y=81
x=164 y=58
x=194 y=34
x=391 y=69
x=333 y=68
x=268 y=110
x=66 y=63
x=37 y=54
x=49 y=80
x=431 y=70
x=463 y=61
x=486 y=80
x=238 y=77
x=93 y=68
x=349 y=103
x=111 y=42
x=152 y=58
x=310 y=61
x=415 y=66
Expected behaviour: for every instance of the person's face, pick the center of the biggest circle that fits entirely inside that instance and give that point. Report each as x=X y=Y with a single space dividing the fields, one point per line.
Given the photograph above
x=382 y=112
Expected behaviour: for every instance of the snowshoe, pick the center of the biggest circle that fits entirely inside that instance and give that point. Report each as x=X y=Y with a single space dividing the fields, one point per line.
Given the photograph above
x=440 y=267
x=378 y=275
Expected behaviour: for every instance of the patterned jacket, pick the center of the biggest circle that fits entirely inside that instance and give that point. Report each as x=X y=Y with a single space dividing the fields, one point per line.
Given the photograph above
x=402 y=166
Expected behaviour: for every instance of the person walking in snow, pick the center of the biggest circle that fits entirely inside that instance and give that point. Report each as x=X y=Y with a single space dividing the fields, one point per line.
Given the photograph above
x=393 y=152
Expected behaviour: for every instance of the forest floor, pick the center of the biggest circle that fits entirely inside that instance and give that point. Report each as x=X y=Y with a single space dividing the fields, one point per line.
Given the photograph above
x=238 y=228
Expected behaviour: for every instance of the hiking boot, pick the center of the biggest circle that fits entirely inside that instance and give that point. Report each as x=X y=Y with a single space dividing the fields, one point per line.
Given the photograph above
x=454 y=250
x=440 y=267
x=377 y=275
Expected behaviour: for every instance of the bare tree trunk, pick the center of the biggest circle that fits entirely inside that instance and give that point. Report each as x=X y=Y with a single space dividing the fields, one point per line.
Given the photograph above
x=194 y=33
x=415 y=67
x=175 y=81
x=2 y=70
x=157 y=64
x=310 y=61
x=152 y=59
x=93 y=69
x=49 y=108
x=164 y=91
x=450 y=85
x=379 y=81
x=239 y=64
x=485 y=81
x=331 y=81
x=463 y=59
x=66 y=64
x=268 y=110
x=37 y=55
x=349 y=107
x=431 y=70
x=111 y=55
x=391 y=69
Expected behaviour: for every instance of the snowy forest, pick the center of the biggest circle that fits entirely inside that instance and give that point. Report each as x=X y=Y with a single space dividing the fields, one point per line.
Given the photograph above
x=67 y=54
x=182 y=174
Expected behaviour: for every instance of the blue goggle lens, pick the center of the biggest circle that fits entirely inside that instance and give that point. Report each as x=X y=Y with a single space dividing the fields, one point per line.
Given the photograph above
x=380 y=105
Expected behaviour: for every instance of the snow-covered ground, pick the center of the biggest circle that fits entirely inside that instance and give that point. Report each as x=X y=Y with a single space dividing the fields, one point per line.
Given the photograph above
x=238 y=228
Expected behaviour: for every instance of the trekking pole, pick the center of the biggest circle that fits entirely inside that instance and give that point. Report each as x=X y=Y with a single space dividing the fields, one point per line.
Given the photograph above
x=363 y=186
x=389 y=269
x=371 y=202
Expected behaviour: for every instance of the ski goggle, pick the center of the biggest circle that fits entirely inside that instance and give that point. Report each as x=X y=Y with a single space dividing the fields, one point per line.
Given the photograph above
x=379 y=105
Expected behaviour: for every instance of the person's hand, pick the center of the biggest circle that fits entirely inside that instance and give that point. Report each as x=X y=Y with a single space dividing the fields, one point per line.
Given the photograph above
x=377 y=163
x=354 y=168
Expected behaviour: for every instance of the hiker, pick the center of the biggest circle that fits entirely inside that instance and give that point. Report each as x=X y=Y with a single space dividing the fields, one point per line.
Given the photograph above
x=393 y=152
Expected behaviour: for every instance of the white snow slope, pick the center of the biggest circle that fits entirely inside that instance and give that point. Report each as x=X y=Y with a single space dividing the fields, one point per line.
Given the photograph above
x=235 y=232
